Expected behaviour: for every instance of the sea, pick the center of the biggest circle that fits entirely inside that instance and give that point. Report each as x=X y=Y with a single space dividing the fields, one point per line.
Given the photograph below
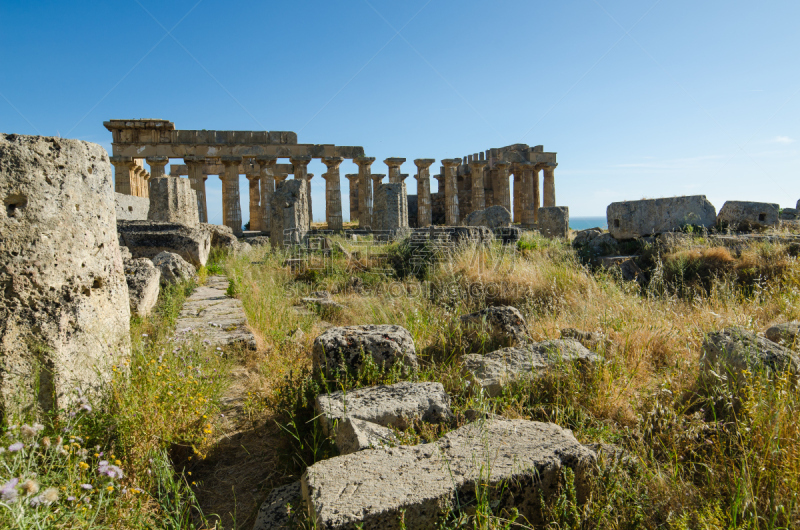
x=582 y=223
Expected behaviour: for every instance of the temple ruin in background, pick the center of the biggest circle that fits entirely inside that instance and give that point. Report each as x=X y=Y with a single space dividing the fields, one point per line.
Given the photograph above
x=267 y=158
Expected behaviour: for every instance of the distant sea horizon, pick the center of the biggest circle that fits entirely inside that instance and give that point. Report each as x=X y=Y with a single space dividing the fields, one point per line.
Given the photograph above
x=582 y=223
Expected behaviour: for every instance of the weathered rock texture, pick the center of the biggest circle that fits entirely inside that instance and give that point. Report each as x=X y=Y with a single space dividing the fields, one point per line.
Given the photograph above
x=392 y=217
x=517 y=461
x=290 y=221
x=354 y=435
x=503 y=324
x=584 y=237
x=786 y=334
x=730 y=351
x=210 y=315
x=744 y=215
x=64 y=312
x=131 y=208
x=591 y=339
x=632 y=219
x=146 y=239
x=497 y=369
x=492 y=217
x=274 y=514
x=172 y=200
x=553 y=221
x=343 y=348
x=143 y=280
x=396 y=405
x=173 y=268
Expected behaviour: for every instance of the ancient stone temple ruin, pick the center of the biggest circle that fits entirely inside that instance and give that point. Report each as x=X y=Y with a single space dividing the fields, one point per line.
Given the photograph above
x=267 y=158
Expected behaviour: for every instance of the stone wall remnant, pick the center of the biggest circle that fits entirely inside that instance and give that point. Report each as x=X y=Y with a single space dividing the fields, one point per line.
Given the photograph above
x=492 y=217
x=131 y=207
x=632 y=219
x=172 y=200
x=290 y=221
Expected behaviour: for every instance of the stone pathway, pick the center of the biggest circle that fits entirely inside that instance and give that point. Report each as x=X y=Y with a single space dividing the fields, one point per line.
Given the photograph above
x=216 y=318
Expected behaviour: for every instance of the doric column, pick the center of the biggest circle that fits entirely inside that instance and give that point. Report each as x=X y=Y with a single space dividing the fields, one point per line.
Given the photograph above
x=300 y=169
x=477 y=168
x=198 y=182
x=519 y=192
x=423 y=176
x=142 y=178
x=364 y=190
x=502 y=193
x=353 y=178
x=394 y=169
x=266 y=167
x=528 y=217
x=123 y=173
x=157 y=164
x=535 y=193
x=451 y=191
x=549 y=186
x=377 y=207
x=254 y=188
x=333 y=193
x=231 y=206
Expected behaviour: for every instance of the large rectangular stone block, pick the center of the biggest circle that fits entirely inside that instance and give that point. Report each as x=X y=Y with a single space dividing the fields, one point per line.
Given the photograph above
x=131 y=208
x=64 y=311
x=632 y=219
x=146 y=239
x=746 y=215
x=172 y=200
x=554 y=221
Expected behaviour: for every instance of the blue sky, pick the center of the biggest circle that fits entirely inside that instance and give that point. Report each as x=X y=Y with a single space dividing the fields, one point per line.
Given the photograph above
x=639 y=98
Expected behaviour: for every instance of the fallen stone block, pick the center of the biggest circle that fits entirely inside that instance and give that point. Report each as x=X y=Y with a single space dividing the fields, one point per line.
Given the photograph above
x=492 y=217
x=173 y=268
x=275 y=513
x=628 y=268
x=397 y=405
x=603 y=245
x=583 y=237
x=146 y=239
x=172 y=200
x=342 y=348
x=632 y=219
x=354 y=435
x=143 y=280
x=785 y=334
x=515 y=462
x=131 y=208
x=745 y=215
x=553 y=221
x=504 y=325
x=223 y=237
x=732 y=350
x=508 y=235
x=495 y=370
x=64 y=308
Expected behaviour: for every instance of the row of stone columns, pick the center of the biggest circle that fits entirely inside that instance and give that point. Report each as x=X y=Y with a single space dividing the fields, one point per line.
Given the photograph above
x=130 y=178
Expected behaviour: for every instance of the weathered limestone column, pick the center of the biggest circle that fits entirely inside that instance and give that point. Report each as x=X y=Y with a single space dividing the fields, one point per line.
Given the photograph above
x=502 y=192
x=451 y=191
x=527 y=202
x=231 y=206
x=123 y=173
x=142 y=182
x=266 y=166
x=378 y=207
x=549 y=186
x=535 y=198
x=423 y=176
x=157 y=164
x=353 y=178
x=519 y=192
x=198 y=181
x=333 y=193
x=135 y=178
x=477 y=168
x=254 y=185
x=394 y=169
x=365 y=207
x=300 y=169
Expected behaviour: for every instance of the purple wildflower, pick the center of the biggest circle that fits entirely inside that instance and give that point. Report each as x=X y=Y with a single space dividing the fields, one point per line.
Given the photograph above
x=8 y=491
x=13 y=448
x=87 y=486
x=110 y=471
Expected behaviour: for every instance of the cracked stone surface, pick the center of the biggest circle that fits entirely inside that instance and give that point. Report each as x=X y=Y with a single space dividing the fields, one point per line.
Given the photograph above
x=212 y=315
x=517 y=460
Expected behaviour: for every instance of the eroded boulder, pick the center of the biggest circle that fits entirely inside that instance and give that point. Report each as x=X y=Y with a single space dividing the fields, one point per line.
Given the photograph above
x=146 y=239
x=64 y=310
x=591 y=339
x=504 y=325
x=730 y=351
x=553 y=221
x=173 y=268
x=497 y=369
x=632 y=219
x=518 y=461
x=144 y=284
x=343 y=348
x=747 y=215
x=583 y=237
x=785 y=334
x=397 y=405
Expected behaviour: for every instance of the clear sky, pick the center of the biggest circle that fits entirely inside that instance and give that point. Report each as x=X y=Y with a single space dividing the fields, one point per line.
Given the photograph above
x=639 y=98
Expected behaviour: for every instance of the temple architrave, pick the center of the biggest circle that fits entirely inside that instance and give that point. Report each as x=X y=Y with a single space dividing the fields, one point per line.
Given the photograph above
x=267 y=158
